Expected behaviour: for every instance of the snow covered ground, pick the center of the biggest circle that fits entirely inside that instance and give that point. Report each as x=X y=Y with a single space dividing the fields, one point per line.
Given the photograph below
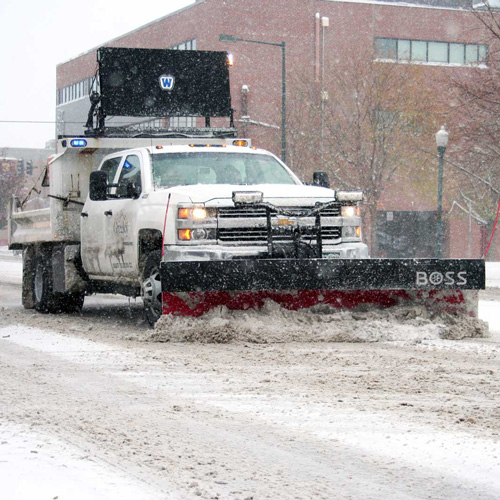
x=247 y=432
x=35 y=464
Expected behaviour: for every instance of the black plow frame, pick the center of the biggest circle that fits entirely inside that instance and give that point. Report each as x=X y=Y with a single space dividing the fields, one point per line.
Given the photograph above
x=323 y=274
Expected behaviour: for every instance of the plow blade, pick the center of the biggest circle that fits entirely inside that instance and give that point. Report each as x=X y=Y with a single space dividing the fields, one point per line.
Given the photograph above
x=193 y=288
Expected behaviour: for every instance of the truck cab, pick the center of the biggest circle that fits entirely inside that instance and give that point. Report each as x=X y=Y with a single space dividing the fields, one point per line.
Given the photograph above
x=176 y=203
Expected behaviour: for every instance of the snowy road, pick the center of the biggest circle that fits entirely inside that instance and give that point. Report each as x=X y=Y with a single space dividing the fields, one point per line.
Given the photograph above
x=89 y=409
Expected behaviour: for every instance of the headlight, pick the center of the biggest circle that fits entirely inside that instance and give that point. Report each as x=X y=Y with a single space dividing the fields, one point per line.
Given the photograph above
x=195 y=213
x=199 y=213
x=196 y=224
x=351 y=232
x=348 y=211
x=197 y=234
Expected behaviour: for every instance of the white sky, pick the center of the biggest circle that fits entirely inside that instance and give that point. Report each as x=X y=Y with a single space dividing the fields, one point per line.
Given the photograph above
x=35 y=36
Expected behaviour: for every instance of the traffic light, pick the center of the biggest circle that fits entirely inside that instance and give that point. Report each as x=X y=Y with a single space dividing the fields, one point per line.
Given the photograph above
x=20 y=166
x=29 y=167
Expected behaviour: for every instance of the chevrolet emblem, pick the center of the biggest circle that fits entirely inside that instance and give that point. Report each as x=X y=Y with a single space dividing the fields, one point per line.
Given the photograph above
x=286 y=222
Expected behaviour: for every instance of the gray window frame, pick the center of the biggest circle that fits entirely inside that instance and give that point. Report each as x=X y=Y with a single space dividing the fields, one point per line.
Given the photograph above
x=477 y=46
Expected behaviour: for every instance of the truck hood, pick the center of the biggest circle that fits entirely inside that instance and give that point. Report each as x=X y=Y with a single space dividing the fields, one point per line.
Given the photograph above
x=281 y=194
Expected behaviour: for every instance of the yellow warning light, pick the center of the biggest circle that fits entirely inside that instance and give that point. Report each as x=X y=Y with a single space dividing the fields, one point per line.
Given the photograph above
x=230 y=60
x=183 y=213
x=240 y=142
x=358 y=231
x=184 y=234
x=159 y=147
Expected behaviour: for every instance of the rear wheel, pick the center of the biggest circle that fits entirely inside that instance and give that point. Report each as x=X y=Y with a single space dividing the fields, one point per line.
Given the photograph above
x=151 y=287
x=44 y=300
x=28 y=286
x=38 y=286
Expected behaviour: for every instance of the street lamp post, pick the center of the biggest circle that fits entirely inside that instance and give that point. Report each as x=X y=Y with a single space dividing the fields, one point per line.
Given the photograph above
x=232 y=38
x=325 y=22
x=442 y=142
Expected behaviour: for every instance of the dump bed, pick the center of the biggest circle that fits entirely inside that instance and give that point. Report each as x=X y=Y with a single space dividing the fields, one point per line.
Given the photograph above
x=56 y=216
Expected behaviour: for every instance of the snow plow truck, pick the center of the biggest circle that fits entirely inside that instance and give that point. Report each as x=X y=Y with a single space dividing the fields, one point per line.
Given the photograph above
x=194 y=218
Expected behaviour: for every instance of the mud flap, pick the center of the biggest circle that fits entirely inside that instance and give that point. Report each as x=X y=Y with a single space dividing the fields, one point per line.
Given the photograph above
x=193 y=288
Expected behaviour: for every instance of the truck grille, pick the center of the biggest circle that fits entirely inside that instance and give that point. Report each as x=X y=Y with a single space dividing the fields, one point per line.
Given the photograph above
x=248 y=225
x=259 y=234
x=251 y=212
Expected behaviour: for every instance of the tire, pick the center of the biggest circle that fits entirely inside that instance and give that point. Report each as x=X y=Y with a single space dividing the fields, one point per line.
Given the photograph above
x=151 y=287
x=40 y=282
x=28 y=284
x=70 y=302
x=43 y=296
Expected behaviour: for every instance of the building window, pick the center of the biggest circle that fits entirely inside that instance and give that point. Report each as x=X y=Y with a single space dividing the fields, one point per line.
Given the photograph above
x=386 y=48
x=428 y=52
x=457 y=53
x=418 y=51
x=438 y=52
x=182 y=122
x=76 y=91
x=404 y=50
x=187 y=45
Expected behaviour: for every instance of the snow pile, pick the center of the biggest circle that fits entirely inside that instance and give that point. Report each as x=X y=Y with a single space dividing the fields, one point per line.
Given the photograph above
x=492 y=274
x=275 y=324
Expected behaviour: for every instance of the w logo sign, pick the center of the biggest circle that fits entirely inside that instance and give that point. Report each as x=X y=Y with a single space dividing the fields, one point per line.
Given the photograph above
x=167 y=82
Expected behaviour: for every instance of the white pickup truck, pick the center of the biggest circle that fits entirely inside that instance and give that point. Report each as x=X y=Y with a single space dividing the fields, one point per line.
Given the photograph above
x=118 y=206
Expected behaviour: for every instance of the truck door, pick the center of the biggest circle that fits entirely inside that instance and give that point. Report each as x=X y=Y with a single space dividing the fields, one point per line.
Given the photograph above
x=94 y=225
x=121 y=224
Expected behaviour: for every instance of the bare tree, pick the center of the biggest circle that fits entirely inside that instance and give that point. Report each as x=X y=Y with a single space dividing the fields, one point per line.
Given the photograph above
x=11 y=183
x=303 y=127
x=476 y=117
x=376 y=118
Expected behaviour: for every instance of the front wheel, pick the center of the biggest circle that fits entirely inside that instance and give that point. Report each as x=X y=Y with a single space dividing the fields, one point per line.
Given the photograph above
x=151 y=287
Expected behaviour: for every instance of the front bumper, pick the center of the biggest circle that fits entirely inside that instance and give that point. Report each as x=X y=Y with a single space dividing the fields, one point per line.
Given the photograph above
x=179 y=253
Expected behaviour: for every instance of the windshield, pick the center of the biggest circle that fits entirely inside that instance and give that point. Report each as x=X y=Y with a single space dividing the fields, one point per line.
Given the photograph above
x=177 y=169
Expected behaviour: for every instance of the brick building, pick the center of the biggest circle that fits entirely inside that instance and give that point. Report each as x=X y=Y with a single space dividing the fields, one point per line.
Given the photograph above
x=442 y=36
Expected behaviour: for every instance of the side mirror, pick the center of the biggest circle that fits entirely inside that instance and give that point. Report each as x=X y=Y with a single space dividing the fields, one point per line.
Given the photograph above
x=321 y=179
x=132 y=190
x=98 y=188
